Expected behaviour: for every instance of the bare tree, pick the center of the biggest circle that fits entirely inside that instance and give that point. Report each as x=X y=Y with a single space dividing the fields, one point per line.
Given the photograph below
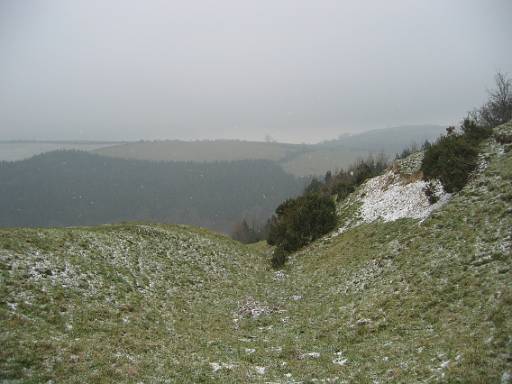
x=498 y=109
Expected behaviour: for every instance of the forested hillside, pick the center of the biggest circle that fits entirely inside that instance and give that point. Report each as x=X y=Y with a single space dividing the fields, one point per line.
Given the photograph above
x=66 y=188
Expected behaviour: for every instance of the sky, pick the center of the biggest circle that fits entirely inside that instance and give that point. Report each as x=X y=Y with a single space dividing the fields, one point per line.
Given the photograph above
x=296 y=70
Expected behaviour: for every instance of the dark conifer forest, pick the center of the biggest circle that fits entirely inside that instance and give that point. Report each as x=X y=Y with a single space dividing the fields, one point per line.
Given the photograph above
x=69 y=188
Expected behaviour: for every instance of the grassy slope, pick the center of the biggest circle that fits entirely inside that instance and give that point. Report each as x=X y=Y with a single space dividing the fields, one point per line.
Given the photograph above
x=434 y=293
x=402 y=302
x=123 y=302
x=318 y=161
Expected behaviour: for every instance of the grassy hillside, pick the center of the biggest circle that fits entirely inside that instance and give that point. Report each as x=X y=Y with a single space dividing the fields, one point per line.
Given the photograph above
x=318 y=161
x=118 y=302
x=383 y=302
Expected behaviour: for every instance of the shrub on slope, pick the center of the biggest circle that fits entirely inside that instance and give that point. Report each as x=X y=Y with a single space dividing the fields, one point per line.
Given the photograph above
x=454 y=156
x=300 y=221
x=450 y=160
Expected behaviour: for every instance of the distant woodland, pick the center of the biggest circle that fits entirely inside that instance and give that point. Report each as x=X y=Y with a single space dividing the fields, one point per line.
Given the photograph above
x=67 y=188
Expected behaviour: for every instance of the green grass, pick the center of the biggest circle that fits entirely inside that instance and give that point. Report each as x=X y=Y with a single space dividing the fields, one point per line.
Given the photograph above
x=402 y=302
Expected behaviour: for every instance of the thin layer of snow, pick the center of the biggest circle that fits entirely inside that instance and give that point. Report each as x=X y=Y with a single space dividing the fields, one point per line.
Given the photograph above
x=340 y=359
x=252 y=308
x=389 y=197
x=309 y=355
x=218 y=366
x=260 y=370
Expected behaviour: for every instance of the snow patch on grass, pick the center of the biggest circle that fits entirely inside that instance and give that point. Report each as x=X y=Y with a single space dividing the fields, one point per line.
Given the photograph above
x=252 y=309
x=397 y=194
x=388 y=197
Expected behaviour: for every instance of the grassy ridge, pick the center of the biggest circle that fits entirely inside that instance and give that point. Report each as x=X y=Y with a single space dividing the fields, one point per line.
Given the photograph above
x=89 y=305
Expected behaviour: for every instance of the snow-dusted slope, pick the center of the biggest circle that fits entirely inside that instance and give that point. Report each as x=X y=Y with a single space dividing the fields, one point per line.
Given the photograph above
x=390 y=197
x=398 y=193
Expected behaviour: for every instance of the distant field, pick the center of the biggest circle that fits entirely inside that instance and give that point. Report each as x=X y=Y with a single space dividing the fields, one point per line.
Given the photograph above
x=319 y=161
x=296 y=159
x=19 y=150
x=214 y=150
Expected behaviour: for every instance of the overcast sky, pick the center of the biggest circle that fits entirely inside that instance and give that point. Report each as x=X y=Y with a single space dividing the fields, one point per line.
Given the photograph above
x=300 y=71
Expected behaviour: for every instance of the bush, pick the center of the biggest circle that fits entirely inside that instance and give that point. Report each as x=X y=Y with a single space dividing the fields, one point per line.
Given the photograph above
x=278 y=258
x=246 y=234
x=474 y=132
x=503 y=138
x=345 y=181
x=451 y=159
x=302 y=220
x=299 y=221
x=430 y=192
x=498 y=109
x=315 y=186
x=409 y=151
x=342 y=189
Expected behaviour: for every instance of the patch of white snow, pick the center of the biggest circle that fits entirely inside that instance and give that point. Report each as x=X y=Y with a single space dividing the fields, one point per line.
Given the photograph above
x=309 y=355
x=389 y=197
x=260 y=370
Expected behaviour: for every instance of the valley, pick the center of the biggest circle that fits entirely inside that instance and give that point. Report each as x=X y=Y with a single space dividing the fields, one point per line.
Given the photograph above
x=406 y=300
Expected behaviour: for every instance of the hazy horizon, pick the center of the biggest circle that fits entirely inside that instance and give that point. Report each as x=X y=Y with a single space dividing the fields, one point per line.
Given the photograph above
x=299 y=71
x=256 y=140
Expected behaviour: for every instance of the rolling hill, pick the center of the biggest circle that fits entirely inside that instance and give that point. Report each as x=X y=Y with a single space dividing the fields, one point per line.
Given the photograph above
x=297 y=159
x=23 y=149
x=388 y=140
x=386 y=298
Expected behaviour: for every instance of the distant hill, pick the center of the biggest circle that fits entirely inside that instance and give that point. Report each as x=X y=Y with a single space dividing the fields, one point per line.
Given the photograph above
x=388 y=140
x=66 y=188
x=21 y=149
x=297 y=159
